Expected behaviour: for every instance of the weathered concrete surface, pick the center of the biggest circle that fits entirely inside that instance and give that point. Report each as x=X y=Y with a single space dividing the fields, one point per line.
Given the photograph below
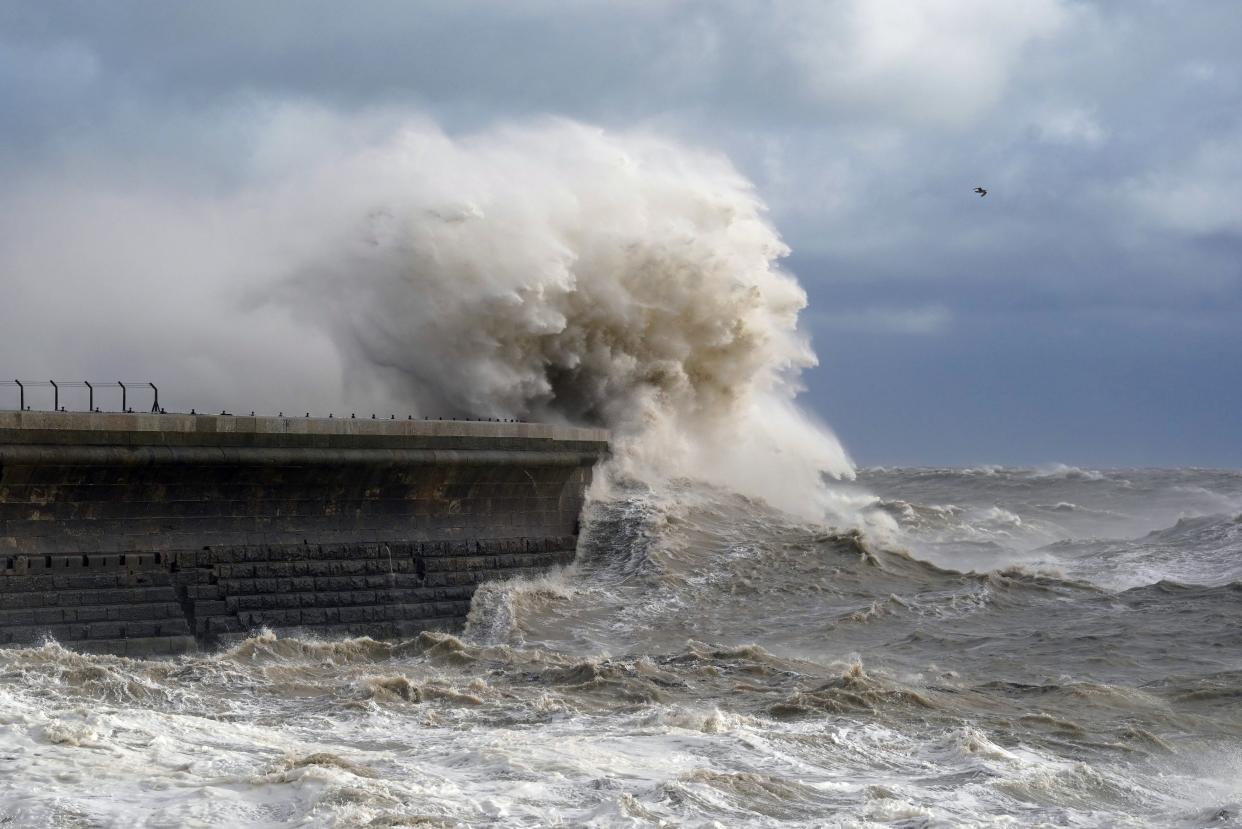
x=149 y=533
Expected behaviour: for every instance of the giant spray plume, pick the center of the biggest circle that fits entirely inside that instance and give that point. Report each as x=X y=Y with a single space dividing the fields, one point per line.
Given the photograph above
x=560 y=272
x=543 y=271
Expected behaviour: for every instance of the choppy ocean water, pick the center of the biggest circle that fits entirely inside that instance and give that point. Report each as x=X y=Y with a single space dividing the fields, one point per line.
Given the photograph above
x=1001 y=647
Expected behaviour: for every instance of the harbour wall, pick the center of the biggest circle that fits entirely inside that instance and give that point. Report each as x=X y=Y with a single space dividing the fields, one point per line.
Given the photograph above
x=153 y=534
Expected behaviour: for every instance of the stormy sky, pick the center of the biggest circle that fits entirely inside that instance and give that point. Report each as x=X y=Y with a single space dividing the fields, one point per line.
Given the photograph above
x=1086 y=311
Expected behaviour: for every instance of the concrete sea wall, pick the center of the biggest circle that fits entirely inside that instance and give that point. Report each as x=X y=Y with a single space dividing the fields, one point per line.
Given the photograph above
x=146 y=534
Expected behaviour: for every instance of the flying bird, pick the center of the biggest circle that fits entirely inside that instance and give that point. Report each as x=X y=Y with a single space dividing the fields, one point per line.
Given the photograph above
x=981 y=192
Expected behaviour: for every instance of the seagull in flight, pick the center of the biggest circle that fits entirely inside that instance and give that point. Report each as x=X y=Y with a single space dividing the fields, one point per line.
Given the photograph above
x=981 y=192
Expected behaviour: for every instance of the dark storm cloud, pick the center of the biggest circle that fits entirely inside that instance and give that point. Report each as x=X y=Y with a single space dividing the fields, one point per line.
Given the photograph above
x=1103 y=264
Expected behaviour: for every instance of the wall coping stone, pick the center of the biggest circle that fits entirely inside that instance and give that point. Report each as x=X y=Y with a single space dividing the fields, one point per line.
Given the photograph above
x=182 y=430
x=200 y=423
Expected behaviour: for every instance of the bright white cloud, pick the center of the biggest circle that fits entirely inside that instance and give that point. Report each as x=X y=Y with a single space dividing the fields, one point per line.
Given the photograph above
x=938 y=61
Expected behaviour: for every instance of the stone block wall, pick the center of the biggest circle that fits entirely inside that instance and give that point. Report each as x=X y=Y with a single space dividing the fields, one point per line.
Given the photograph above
x=150 y=540
x=113 y=603
x=378 y=589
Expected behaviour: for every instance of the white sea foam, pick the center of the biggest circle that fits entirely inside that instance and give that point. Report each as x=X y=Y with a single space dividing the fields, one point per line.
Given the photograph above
x=1065 y=471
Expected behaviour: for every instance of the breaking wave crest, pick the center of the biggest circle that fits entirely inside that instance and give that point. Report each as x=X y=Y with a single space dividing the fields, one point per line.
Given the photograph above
x=560 y=272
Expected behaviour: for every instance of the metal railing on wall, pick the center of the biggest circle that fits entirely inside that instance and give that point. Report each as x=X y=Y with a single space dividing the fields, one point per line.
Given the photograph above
x=29 y=390
x=56 y=386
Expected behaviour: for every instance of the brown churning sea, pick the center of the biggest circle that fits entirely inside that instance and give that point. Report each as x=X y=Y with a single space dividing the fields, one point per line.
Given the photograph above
x=1004 y=647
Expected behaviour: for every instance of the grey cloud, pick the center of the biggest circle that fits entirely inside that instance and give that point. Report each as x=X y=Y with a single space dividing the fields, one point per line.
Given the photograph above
x=938 y=62
x=1107 y=133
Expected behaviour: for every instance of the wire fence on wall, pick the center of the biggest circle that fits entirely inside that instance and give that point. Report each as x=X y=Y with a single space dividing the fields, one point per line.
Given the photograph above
x=121 y=396
x=79 y=395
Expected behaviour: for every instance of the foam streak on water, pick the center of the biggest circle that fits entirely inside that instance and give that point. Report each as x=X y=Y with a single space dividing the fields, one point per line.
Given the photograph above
x=710 y=662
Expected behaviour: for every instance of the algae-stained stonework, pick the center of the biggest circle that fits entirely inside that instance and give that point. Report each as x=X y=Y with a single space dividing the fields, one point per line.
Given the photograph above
x=158 y=533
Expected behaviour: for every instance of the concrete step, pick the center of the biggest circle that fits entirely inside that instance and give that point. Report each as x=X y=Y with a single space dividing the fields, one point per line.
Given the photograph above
x=119 y=612
x=76 y=598
x=345 y=598
x=330 y=567
x=250 y=554
x=364 y=614
x=79 y=631
x=385 y=566
x=81 y=581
